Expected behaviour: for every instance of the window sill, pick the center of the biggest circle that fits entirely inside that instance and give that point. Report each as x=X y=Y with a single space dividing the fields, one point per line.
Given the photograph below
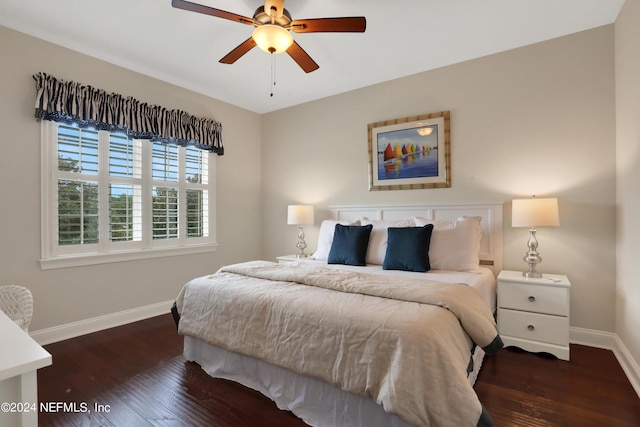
x=105 y=258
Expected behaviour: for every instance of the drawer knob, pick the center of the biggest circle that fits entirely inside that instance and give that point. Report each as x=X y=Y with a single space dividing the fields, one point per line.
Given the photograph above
x=532 y=299
x=531 y=327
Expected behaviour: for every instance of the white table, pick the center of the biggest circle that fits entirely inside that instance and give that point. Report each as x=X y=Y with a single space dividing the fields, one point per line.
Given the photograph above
x=533 y=314
x=283 y=259
x=20 y=358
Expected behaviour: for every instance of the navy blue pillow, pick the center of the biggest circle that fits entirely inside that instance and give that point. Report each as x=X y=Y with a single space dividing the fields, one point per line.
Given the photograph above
x=408 y=248
x=349 y=244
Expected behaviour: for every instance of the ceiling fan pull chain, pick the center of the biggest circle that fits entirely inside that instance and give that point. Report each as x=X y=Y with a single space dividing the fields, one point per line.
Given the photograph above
x=272 y=83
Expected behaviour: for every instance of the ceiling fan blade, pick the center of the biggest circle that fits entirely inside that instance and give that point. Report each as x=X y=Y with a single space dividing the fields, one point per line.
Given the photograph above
x=355 y=24
x=302 y=58
x=206 y=10
x=236 y=53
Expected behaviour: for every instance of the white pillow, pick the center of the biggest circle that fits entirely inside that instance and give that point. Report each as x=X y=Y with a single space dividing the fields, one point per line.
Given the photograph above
x=378 y=239
x=325 y=238
x=455 y=244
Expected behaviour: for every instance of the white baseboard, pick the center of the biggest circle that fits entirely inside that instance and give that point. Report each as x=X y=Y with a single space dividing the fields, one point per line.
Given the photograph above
x=95 y=324
x=628 y=363
x=592 y=338
x=609 y=341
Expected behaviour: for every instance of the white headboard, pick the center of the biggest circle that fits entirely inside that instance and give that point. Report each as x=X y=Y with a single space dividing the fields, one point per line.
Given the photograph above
x=491 y=213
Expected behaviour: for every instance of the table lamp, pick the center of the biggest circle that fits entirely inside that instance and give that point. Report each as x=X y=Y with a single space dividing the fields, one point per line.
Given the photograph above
x=300 y=215
x=534 y=213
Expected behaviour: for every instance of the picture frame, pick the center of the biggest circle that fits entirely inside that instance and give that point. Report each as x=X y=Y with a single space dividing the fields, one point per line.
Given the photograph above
x=410 y=153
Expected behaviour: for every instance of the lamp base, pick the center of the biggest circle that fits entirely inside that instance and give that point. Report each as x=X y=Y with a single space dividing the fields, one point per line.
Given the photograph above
x=301 y=244
x=531 y=274
x=532 y=258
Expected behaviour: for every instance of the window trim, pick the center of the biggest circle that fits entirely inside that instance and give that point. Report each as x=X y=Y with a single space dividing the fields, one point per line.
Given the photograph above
x=48 y=220
x=64 y=261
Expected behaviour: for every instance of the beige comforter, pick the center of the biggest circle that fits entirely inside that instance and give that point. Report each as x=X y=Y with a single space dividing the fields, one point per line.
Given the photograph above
x=405 y=344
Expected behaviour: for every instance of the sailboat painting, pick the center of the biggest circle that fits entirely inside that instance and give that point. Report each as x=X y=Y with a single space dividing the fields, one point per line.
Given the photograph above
x=407 y=154
x=410 y=153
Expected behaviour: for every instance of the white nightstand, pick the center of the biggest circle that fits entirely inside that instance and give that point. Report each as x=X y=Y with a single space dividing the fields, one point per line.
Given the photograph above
x=533 y=314
x=288 y=258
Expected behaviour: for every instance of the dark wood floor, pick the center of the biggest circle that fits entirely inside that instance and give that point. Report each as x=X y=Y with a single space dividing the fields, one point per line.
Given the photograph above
x=138 y=375
x=524 y=389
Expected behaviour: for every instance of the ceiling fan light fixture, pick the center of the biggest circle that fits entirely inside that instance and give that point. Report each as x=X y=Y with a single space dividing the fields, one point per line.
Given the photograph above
x=272 y=38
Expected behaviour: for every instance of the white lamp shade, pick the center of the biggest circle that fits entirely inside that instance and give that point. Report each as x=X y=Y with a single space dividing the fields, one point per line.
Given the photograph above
x=299 y=215
x=535 y=213
x=272 y=38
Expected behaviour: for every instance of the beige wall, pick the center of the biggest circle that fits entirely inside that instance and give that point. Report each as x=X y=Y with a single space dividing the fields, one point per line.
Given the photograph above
x=627 y=34
x=73 y=294
x=535 y=120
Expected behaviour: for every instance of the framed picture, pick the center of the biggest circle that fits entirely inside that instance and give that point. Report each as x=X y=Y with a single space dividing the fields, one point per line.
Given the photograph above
x=410 y=153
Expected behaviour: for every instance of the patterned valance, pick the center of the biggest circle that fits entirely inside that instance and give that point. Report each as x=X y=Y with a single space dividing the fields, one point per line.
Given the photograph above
x=86 y=106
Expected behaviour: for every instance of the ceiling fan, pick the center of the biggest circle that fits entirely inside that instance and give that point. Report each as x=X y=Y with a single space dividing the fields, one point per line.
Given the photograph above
x=273 y=24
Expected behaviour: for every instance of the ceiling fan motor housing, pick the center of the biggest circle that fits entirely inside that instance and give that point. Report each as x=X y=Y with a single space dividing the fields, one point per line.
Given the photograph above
x=264 y=18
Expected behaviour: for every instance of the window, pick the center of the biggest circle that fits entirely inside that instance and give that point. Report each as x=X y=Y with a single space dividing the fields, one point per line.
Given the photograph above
x=107 y=197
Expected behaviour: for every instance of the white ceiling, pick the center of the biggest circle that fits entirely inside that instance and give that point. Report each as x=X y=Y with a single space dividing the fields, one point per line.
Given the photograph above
x=403 y=37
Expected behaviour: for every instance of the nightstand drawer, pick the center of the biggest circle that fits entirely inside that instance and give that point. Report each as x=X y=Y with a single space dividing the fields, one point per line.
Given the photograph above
x=534 y=326
x=534 y=298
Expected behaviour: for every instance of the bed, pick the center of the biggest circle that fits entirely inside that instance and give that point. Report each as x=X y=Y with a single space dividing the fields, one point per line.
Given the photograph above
x=360 y=336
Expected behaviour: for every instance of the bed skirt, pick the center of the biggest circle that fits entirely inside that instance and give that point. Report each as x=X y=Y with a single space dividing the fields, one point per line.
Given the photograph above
x=316 y=402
